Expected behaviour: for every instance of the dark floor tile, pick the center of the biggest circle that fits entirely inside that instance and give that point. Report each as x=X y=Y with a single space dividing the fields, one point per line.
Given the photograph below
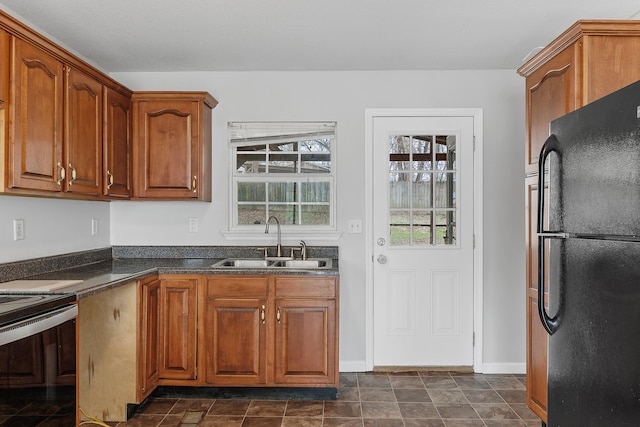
x=221 y=421
x=423 y=422
x=439 y=383
x=58 y=421
x=504 y=423
x=494 y=411
x=412 y=395
x=342 y=409
x=523 y=411
x=302 y=422
x=406 y=382
x=304 y=408
x=229 y=407
x=373 y=380
x=403 y=374
x=472 y=383
x=463 y=411
x=350 y=394
x=513 y=396
x=380 y=410
x=262 y=422
x=435 y=374
x=266 y=408
x=482 y=396
x=377 y=395
x=172 y=421
x=349 y=379
x=342 y=422
x=447 y=396
x=418 y=410
x=143 y=421
x=383 y=422
x=505 y=382
x=24 y=421
x=464 y=423
x=185 y=405
x=158 y=406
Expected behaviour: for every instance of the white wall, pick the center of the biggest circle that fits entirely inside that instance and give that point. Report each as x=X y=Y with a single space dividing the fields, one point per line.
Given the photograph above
x=343 y=97
x=60 y=226
x=52 y=227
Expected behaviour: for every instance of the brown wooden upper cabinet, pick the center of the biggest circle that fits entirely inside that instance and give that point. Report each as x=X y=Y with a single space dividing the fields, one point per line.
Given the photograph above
x=172 y=145
x=589 y=60
x=59 y=121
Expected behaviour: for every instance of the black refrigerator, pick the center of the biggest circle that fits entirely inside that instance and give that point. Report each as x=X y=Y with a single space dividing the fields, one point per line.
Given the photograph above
x=592 y=160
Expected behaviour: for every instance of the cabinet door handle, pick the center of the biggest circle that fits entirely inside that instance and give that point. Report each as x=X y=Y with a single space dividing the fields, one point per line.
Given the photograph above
x=73 y=174
x=278 y=315
x=109 y=179
x=194 y=183
x=61 y=174
x=262 y=314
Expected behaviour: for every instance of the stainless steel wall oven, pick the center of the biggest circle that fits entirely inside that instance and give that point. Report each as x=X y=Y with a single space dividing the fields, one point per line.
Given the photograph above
x=38 y=359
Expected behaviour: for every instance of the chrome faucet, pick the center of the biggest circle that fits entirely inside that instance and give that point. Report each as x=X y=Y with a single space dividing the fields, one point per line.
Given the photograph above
x=303 y=249
x=279 y=245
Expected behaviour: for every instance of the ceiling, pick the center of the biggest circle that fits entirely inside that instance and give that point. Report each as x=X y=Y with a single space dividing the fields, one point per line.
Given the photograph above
x=301 y=35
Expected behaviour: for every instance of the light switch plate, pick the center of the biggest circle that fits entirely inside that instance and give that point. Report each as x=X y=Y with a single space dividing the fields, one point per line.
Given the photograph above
x=193 y=225
x=18 y=229
x=354 y=226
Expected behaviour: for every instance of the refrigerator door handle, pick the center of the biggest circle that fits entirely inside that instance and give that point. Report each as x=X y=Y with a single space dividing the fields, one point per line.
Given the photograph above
x=549 y=323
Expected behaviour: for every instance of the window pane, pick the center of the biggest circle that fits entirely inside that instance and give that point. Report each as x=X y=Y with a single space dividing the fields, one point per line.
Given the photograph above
x=251 y=214
x=446 y=228
x=315 y=163
x=421 y=154
x=421 y=233
x=283 y=163
x=282 y=192
x=317 y=192
x=251 y=192
x=286 y=214
x=398 y=190
x=399 y=228
x=445 y=196
x=422 y=190
x=315 y=214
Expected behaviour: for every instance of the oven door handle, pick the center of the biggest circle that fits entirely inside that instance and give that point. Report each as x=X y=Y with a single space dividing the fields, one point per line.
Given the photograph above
x=36 y=324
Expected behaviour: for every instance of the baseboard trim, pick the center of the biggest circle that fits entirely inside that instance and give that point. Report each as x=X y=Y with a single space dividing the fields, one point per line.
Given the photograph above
x=504 y=368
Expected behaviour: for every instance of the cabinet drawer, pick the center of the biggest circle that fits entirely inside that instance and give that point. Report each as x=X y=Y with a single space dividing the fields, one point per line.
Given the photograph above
x=237 y=286
x=309 y=287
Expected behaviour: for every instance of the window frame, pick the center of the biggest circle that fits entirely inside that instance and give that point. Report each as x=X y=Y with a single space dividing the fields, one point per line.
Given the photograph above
x=235 y=178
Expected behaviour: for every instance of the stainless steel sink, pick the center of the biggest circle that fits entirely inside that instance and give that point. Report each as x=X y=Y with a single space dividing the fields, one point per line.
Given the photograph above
x=248 y=263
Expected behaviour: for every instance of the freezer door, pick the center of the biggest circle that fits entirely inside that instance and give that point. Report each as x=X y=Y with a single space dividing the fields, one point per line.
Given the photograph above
x=594 y=355
x=595 y=187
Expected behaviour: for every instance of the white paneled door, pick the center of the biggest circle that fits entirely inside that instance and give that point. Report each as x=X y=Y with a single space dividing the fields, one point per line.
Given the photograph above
x=423 y=241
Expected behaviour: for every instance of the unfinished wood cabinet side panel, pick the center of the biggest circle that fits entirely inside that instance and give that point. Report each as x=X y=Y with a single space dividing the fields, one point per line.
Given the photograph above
x=108 y=352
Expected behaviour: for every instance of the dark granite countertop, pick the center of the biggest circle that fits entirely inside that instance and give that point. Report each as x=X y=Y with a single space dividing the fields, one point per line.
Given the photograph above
x=112 y=267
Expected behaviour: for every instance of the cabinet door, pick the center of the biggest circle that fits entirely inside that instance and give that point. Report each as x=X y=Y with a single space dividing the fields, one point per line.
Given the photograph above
x=305 y=342
x=551 y=93
x=168 y=154
x=64 y=338
x=117 y=144
x=21 y=363
x=149 y=343
x=236 y=341
x=83 y=141
x=537 y=338
x=36 y=117
x=178 y=308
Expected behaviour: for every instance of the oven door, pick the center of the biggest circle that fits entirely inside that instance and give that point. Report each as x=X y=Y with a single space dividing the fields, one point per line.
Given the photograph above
x=38 y=369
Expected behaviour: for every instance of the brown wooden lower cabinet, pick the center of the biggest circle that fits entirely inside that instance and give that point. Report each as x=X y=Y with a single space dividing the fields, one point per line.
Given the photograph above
x=149 y=339
x=271 y=331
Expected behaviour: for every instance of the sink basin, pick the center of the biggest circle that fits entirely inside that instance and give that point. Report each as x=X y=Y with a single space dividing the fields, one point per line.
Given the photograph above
x=243 y=263
x=307 y=263
x=248 y=263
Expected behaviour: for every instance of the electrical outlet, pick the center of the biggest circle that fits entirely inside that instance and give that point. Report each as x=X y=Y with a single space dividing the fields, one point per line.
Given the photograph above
x=193 y=225
x=354 y=226
x=94 y=226
x=18 y=229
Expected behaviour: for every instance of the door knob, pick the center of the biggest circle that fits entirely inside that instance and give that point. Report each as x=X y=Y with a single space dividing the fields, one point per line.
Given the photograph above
x=382 y=259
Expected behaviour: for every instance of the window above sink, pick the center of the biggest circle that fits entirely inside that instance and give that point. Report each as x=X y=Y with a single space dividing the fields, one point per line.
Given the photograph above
x=282 y=169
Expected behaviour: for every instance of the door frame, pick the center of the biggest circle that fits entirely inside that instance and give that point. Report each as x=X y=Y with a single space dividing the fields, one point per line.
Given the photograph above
x=478 y=188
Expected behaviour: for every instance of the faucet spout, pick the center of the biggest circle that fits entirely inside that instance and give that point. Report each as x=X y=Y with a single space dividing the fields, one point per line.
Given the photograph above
x=266 y=231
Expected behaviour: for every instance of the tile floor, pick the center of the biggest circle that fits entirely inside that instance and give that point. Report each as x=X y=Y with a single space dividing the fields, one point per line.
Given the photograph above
x=408 y=399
